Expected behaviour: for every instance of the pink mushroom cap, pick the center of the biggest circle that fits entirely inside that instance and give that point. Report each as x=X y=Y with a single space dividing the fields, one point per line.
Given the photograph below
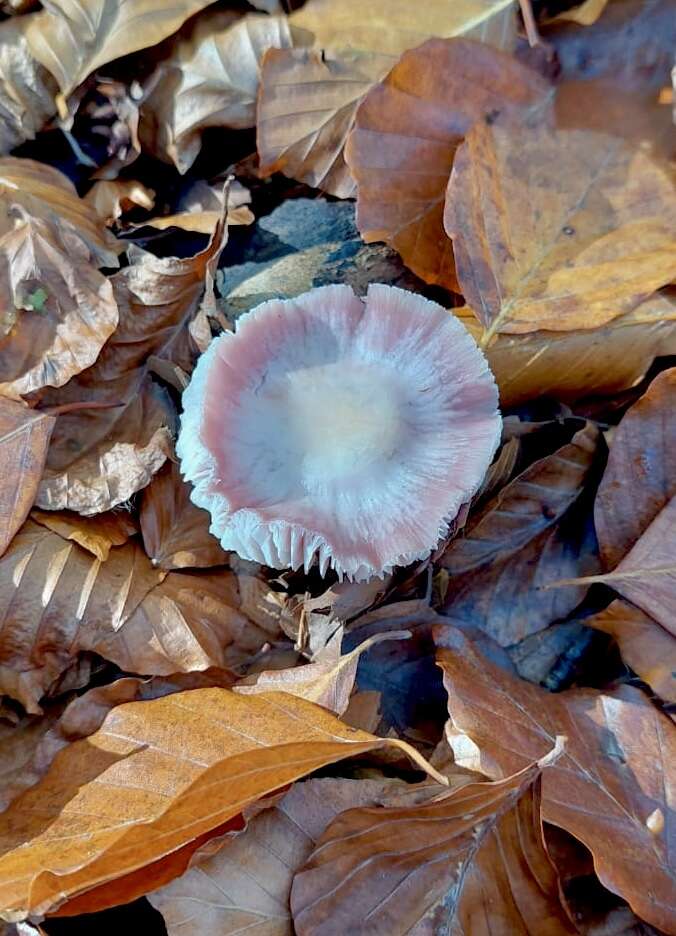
x=344 y=429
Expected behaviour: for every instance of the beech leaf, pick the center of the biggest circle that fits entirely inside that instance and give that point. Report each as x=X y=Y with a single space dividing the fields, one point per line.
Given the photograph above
x=24 y=437
x=72 y=39
x=543 y=241
x=154 y=777
x=98 y=458
x=519 y=541
x=406 y=132
x=608 y=782
x=143 y=619
x=650 y=650
x=470 y=861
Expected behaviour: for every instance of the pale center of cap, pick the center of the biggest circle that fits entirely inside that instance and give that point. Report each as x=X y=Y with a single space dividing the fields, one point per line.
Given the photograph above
x=346 y=417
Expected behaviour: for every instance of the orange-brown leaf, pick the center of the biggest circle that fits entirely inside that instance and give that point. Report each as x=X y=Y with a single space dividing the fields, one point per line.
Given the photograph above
x=575 y=230
x=471 y=861
x=24 y=437
x=154 y=777
x=608 y=783
x=405 y=136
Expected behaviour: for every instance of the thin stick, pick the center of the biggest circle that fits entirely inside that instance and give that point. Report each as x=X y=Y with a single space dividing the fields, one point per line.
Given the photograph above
x=529 y=22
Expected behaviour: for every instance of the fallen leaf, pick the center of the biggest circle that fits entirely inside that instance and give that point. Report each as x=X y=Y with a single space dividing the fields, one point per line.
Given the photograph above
x=392 y=26
x=608 y=782
x=143 y=619
x=58 y=309
x=248 y=881
x=647 y=574
x=639 y=478
x=520 y=541
x=72 y=40
x=100 y=457
x=110 y=199
x=18 y=744
x=405 y=136
x=650 y=650
x=584 y=14
x=175 y=532
x=48 y=195
x=24 y=437
x=95 y=534
x=26 y=88
x=327 y=683
x=200 y=207
x=574 y=364
x=471 y=861
x=211 y=80
x=197 y=759
x=306 y=108
x=543 y=241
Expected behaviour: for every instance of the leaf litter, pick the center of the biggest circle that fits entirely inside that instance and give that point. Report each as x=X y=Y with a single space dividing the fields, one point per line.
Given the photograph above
x=480 y=742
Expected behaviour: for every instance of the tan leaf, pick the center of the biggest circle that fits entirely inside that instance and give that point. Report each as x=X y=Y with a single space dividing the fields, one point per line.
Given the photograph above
x=519 y=541
x=24 y=437
x=306 y=108
x=609 y=781
x=26 y=88
x=327 y=683
x=211 y=80
x=95 y=534
x=639 y=479
x=470 y=861
x=650 y=650
x=574 y=364
x=110 y=199
x=575 y=232
x=392 y=26
x=175 y=532
x=585 y=14
x=72 y=39
x=196 y=759
x=47 y=195
x=143 y=619
x=406 y=132
x=29 y=748
x=99 y=458
x=248 y=881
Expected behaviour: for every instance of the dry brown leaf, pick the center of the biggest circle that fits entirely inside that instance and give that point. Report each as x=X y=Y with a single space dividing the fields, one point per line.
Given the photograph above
x=99 y=458
x=24 y=437
x=574 y=364
x=110 y=199
x=392 y=26
x=196 y=759
x=608 y=789
x=576 y=231
x=30 y=747
x=650 y=650
x=48 y=195
x=519 y=541
x=406 y=132
x=201 y=205
x=95 y=534
x=647 y=574
x=309 y=97
x=72 y=38
x=327 y=683
x=58 y=310
x=175 y=532
x=211 y=80
x=56 y=601
x=306 y=108
x=248 y=881
x=585 y=14
x=26 y=88
x=471 y=861
x=639 y=479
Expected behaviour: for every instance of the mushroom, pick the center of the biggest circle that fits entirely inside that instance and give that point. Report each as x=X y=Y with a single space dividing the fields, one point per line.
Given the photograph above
x=344 y=429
